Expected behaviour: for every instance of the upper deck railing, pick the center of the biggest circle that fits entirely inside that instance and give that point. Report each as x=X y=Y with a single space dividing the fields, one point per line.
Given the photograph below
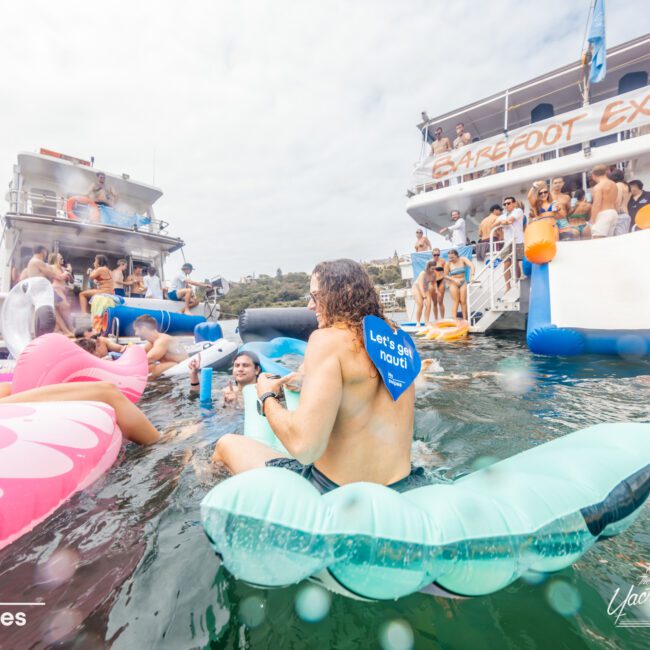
x=620 y=118
x=47 y=204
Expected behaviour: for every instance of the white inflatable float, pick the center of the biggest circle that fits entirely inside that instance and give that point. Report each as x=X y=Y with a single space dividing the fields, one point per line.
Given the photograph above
x=27 y=312
x=217 y=355
x=592 y=298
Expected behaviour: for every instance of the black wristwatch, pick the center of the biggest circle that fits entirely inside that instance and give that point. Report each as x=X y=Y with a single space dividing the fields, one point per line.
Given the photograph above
x=262 y=398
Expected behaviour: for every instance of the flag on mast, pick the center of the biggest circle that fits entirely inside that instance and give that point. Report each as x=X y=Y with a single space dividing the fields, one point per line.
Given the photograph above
x=596 y=39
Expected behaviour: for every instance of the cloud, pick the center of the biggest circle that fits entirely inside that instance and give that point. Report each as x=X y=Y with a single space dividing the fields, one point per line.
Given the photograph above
x=281 y=133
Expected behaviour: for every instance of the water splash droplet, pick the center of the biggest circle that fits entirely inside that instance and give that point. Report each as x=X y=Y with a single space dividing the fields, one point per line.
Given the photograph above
x=252 y=611
x=396 y=635
x=61 y=625
x=515 y=377
x=563 y=597
x=58 y=568
x=484 y=461
x=313 y=603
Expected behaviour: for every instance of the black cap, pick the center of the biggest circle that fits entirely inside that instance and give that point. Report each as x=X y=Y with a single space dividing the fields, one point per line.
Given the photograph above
x=187 y=265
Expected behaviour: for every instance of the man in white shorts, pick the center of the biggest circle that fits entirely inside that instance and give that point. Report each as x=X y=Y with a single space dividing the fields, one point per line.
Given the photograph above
x=603 y=211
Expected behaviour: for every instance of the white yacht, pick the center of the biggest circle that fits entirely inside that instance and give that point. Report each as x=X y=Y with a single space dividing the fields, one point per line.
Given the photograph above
x=554 y=125
x=48 y=205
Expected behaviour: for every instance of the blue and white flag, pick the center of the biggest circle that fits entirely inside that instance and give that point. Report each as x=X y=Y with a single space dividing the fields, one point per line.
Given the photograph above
x=597 y=39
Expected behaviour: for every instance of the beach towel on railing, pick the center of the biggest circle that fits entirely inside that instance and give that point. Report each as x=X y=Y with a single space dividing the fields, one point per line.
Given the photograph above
x=99 y=304
x=419 y=260
x=112 y=217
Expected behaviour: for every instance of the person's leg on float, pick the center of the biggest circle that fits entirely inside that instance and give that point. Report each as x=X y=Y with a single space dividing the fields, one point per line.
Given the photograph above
x=134 y=424
x=239 y=454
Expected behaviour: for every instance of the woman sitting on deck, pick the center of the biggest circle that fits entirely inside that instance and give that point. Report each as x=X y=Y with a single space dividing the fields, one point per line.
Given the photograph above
x=103 y=279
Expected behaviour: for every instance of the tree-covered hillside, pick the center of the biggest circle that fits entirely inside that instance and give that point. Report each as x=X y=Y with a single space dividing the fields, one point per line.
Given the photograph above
x=288 y=290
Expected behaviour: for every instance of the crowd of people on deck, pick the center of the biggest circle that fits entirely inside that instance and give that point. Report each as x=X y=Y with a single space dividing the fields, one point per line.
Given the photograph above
x=608 y=210
x=142 y=282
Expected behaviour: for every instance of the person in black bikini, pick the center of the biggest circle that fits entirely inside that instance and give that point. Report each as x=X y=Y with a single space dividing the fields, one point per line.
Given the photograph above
x=437 y=286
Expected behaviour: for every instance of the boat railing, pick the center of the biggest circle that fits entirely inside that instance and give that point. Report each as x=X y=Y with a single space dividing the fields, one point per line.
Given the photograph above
x=489 y=288
x=423 y=181
x=48 y=204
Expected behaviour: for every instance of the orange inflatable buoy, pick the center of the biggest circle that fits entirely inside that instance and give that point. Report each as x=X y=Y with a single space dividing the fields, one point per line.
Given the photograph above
x=71 y=203
x=447 y=330
x=642 y=219
x=539 y=240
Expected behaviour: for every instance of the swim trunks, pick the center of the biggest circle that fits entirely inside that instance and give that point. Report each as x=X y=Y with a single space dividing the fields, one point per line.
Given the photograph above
x=604 y=224
x=323 y=484
x=172 y=295
x=623 y=223
x=119 y=292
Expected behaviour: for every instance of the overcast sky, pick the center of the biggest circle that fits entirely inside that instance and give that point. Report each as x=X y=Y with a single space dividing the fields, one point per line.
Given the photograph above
x=282 y=132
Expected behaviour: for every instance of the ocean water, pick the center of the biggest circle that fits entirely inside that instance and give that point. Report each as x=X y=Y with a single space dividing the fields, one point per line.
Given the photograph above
x=126 y=564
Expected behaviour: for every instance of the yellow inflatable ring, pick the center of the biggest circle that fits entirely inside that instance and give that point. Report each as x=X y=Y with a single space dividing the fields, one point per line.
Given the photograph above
x=447 y=330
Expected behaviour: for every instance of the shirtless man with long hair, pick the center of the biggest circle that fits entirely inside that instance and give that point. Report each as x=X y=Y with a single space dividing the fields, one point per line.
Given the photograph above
x=347 y=428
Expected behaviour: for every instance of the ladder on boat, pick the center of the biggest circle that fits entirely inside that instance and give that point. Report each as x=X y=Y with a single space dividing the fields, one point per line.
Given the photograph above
x=496 y=289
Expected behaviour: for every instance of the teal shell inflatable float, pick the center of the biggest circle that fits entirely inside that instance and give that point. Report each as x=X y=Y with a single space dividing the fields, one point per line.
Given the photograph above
x=538 y=511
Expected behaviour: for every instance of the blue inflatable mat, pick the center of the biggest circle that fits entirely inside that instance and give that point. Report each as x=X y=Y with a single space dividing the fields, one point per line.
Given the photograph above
x=538 y=512
x=169 y=322
x=268 y=351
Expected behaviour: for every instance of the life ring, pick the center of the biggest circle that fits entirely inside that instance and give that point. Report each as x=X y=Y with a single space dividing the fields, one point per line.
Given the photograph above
x=27 y=312
x=71 y=204
x=447 y=330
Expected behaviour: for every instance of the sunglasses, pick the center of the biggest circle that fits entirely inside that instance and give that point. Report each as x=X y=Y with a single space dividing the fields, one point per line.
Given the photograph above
x=435 y=254
x=542 y=192
x=313 y=295
x=508 y=202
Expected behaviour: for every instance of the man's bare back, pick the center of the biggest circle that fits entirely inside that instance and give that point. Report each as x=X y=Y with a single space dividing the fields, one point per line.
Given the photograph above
x=604 y=194
x=372 y=434
x=622 y=198
x=36 y=268
x=169 y=347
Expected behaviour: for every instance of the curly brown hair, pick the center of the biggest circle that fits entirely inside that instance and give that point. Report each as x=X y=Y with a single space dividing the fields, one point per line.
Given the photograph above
x=346 y=294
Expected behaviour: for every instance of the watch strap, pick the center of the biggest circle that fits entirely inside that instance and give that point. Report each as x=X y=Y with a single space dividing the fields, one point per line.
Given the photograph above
x=265 y=396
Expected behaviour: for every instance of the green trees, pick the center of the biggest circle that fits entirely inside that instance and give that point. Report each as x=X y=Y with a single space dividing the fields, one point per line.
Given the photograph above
x=288 y=289
x=283 y=290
